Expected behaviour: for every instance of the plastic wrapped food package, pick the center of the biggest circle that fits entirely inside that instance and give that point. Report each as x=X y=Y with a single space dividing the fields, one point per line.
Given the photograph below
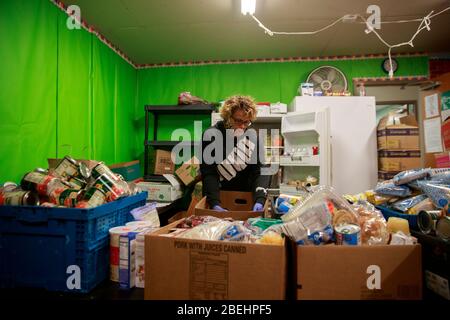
x=438 y=193
x=212 y=230
x=373 y=225
x=236 y=231
x=405 y=204
x=407 y=176
x=193 y=221
x=388 y=188
x=270 y=237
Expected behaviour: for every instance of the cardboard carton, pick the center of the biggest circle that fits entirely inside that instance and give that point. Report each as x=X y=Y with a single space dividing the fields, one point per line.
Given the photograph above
x=162 y=191
x=446 y=134
x=398 y=160
x=239 y=205
x=442 y=159
x=163 y=162
x=128 y=170
x=334 y=272
x=189 y=172
x=386 y=175
x=396 y=132
x=181 y=269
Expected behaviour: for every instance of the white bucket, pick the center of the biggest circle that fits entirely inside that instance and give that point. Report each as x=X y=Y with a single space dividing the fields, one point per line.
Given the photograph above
x=115 y=234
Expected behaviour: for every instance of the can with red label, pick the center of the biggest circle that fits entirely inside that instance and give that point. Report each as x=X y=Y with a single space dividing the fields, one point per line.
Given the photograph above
x=67 y=167
x=102 y=169
x=112 y=188
x=93 y=197
x=18 y=197
x=38 y=182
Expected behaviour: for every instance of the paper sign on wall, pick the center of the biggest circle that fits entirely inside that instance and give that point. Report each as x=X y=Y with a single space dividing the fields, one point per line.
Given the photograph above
x=432 y=135
x=445 y=105
x=431 y=106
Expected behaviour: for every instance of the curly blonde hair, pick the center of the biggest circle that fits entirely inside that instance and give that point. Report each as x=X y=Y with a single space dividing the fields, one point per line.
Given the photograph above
x=237 y=102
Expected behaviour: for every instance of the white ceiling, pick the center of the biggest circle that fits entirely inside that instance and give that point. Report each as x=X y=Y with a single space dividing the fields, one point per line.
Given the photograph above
x=160 y=31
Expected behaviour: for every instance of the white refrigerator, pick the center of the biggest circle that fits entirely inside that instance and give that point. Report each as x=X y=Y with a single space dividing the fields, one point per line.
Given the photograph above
x=353 y=161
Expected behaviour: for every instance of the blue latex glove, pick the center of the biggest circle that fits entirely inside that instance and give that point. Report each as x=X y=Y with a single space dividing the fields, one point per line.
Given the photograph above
x=258 y=207
x=219 y=208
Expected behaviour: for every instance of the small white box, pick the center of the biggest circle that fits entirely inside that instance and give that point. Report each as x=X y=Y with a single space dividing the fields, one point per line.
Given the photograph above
x=262 y=110
x=278 y=107
x=162 y=191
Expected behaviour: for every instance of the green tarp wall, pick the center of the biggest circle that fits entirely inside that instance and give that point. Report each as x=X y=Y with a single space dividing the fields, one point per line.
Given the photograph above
x=64 y=92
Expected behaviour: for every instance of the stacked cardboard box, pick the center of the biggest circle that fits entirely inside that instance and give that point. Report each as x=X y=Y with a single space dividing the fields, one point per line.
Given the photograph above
x=398 y=145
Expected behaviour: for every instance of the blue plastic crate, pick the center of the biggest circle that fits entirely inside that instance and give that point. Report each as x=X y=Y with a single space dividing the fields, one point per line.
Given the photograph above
x=38 y=244
x=388 y=212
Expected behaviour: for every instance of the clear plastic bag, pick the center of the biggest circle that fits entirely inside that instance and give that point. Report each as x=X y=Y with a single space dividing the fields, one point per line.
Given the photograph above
x=212 y=230
x=315 y=214
x=372 y=223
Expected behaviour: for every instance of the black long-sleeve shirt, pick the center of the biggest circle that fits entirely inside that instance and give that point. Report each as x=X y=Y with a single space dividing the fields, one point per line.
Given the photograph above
x=241 y=175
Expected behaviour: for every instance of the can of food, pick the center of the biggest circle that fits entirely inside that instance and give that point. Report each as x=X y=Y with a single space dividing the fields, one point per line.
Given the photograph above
x=443 y=228
x=348 y=234
x=37 y=181
x=76 y=183
x=67 y=167
x=18 y=197
x=102 y=169
x=93 y=197
x=69 y=197
x=112 y=188
x=426 y=220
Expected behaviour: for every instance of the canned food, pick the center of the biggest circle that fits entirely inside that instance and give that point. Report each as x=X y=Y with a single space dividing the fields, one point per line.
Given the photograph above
x=69 y=197
x=67 y=167
x=112 y=188
x=18 y=197
x=37 y=181
x=102 y=169
x=348 y=234
x=92 y=198
x=443 y=228
x=426 y=220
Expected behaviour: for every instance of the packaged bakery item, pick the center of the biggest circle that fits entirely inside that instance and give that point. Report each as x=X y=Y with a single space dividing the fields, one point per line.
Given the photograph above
x=372 y=223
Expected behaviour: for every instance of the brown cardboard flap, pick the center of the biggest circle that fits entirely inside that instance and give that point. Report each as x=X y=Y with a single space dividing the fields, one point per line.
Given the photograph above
x=177 y=268
x=351 y=272
x=239 y=205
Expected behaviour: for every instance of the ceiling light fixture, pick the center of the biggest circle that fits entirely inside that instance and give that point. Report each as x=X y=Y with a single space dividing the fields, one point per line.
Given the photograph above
x=248 y=6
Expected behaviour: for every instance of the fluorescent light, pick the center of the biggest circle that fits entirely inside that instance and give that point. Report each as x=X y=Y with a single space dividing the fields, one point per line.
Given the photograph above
x=248 y=6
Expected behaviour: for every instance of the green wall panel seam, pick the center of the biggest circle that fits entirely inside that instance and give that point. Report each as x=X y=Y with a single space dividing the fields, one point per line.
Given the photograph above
x=57 y=87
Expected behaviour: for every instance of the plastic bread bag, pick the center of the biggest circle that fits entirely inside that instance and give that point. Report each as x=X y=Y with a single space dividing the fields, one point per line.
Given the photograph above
x=388 y=188
x=301 y=234
x=372 y=223
x=270 y=237
x=212 y=230
x=440 y=176
x=236 y=231
x=405 y=204
x=407 y=176
x=438 y=193
x=319 y=208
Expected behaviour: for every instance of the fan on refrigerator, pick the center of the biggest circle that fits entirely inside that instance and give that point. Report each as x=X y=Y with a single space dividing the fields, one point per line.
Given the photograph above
x=328 y=79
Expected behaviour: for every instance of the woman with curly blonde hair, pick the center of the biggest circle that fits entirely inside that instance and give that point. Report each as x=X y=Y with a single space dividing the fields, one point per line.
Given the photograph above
x=237 y=168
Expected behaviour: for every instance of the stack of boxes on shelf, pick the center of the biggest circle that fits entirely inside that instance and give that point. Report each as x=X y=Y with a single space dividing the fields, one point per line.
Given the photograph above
x=398 y=145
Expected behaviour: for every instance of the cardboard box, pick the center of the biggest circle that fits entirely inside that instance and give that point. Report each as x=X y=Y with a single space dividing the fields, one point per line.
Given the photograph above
x=181 y=269
x=163 y=191
x=445 y=131
x=359 y=272
x=52 y=163
x=398 y=160
x=128 y=170
x=163 y=162
x=387 y=175
x=442 y=159
x=189 y=172
x=397 y=132
x=278 y=107
x=239 y=205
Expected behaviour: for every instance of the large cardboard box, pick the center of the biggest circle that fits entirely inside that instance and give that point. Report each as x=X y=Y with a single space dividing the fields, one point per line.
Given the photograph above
x=442 y=159
x=334 y=272
x=239 y=205
x=397 y=132
x=163 y=162
x=181 y=269
x=386 y=175
x=189 y=172
x=398 y=160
